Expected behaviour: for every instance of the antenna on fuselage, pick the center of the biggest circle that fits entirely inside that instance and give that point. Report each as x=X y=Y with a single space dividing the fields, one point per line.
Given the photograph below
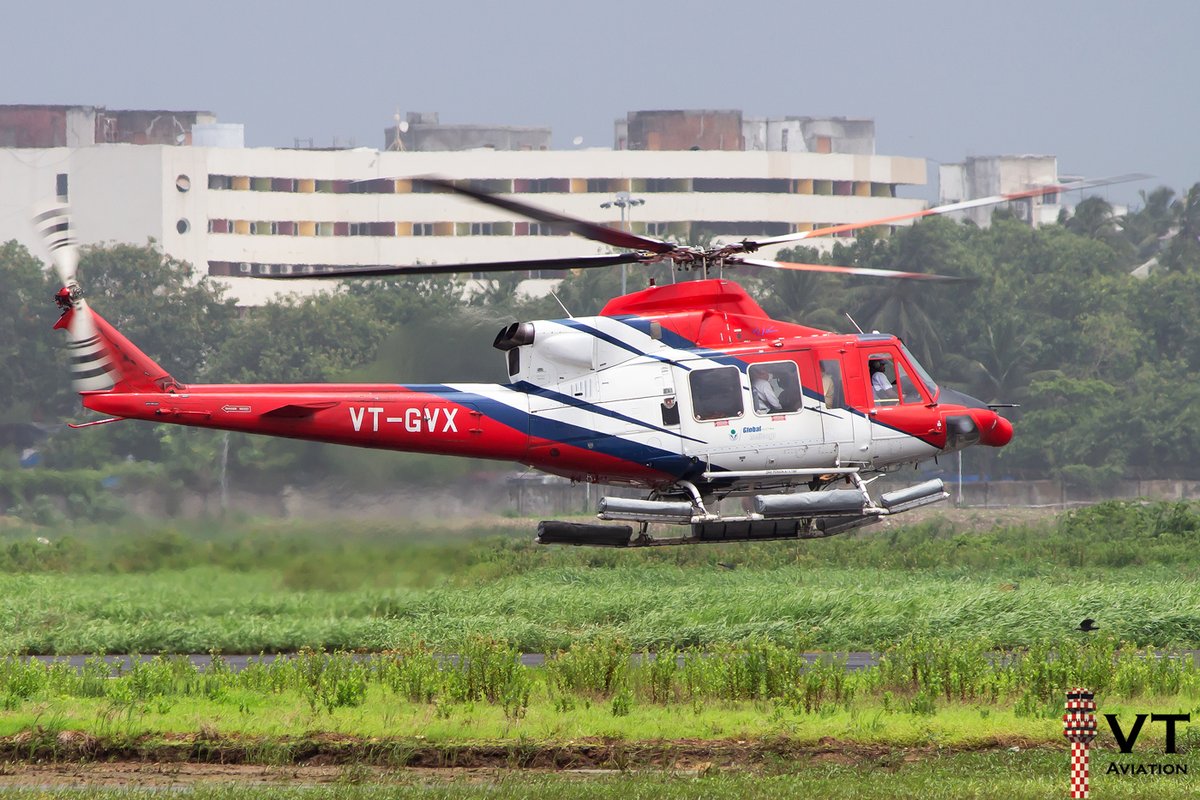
x=564 y=308
x=852 y=322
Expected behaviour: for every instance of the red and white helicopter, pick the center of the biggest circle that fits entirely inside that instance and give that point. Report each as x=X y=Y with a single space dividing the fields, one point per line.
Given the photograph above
x=686 y=390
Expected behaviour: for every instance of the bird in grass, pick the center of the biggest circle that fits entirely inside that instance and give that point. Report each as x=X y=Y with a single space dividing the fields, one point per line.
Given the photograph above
x=1088 y=625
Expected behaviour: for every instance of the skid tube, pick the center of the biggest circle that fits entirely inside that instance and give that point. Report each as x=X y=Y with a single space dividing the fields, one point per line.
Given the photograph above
x=806 y=515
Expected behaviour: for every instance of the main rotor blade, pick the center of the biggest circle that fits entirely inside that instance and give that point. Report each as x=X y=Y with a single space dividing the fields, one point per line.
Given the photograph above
x=946 y=209
x=588 y=230
x=53 y=224
x=582 y=262
x=866 y=271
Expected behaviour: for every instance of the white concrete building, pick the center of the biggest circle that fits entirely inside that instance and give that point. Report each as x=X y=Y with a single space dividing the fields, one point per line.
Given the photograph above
x=237 y=212
x=984 y=176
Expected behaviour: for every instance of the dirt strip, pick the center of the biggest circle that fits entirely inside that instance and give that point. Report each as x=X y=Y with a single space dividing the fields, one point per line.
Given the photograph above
x=73 y=757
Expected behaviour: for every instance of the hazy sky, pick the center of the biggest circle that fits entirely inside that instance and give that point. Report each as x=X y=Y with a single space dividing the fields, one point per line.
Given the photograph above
x=1107 y=86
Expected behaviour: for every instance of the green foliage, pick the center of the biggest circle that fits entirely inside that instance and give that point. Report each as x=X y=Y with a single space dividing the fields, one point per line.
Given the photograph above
x=599 y=668
x=33 y=387
x=159 y=304
x=916 y=675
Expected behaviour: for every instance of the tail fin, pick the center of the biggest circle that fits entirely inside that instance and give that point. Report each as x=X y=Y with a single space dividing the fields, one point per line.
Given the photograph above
x=102 y=359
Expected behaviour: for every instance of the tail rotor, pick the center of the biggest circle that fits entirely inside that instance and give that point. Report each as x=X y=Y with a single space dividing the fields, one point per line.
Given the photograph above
x=91 y=368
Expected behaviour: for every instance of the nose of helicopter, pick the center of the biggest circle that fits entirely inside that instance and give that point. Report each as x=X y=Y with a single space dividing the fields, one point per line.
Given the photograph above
x=975 y=423
x=994 y=430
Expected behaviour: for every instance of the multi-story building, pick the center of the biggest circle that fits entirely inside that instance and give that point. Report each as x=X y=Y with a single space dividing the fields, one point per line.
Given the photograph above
x=237 y=212
x=984 y=176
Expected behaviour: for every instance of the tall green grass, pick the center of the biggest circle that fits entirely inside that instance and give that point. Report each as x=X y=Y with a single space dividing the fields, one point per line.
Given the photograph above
x=918 y=673
x=250 y=586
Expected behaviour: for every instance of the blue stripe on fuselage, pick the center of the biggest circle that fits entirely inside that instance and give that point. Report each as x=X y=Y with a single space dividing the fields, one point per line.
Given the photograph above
x=559 y=397
x=665 y=461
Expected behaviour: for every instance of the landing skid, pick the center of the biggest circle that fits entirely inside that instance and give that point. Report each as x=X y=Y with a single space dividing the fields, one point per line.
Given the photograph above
x=805 y=515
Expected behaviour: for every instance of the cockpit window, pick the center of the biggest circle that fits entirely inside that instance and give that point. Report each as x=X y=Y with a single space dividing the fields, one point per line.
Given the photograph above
x=882 y=371
x=908 y=390
x=891 y=382
x=930 y=386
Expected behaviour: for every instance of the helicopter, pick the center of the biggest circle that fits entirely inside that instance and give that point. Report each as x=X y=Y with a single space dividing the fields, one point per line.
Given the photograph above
x=687 y=392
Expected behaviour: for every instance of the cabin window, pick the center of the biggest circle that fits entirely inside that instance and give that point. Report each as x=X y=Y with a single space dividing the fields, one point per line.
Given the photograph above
x=716 y=393
x=775 y=388
x=831 y=383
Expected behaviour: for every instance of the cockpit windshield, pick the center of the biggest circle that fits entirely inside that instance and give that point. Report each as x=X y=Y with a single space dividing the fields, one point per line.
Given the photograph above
x=922 y=375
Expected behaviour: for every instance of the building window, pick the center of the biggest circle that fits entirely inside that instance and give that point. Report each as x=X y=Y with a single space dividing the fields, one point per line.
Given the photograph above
x=481 y=229
x=183 y=226
x=542 y=185
x=182 y=183
x=422 y=229
x=716 y=393
x=743 y=185
x=60 y=185
x=220 y=182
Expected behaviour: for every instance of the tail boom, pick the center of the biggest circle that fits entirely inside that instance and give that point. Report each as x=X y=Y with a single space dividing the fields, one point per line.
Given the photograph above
x=487 y=421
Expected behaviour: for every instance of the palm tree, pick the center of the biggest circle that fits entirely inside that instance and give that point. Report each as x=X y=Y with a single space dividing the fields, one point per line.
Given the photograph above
x=998 y=366
x=1158 y=219
x=1184 y=250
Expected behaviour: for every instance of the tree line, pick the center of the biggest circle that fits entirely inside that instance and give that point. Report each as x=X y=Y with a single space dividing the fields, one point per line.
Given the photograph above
x=1091 y=325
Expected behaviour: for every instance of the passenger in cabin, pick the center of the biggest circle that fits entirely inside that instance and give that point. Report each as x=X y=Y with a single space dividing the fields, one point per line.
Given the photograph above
x=880 y=384
x=766 y=399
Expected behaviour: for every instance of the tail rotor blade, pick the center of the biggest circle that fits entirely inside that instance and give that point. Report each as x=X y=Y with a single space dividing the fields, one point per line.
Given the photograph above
x=91 y=368
x=53 y=223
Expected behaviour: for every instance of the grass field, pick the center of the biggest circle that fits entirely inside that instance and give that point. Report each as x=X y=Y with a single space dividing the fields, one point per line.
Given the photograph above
x=691 y=661
x=255 y=587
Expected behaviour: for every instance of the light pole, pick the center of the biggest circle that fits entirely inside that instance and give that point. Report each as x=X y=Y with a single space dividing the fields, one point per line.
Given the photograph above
x=623 y=202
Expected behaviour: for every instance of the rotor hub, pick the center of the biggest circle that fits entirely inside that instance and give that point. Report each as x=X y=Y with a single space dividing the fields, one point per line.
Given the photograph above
x=66 y=297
